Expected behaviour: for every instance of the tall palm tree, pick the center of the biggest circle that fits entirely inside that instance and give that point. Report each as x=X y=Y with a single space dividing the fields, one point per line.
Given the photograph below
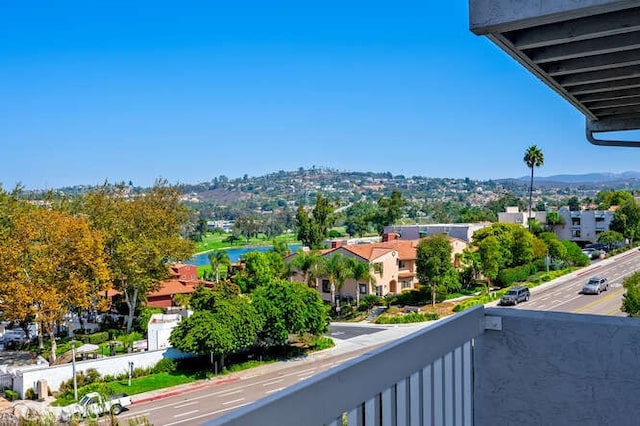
x=533 y=157
x=218 y=258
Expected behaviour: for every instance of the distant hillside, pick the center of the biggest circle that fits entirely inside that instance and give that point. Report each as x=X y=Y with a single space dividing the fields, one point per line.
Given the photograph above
x=585 y=178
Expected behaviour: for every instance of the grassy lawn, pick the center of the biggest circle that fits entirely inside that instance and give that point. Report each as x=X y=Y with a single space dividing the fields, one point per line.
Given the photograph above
x=153 y=382
x=212 y=241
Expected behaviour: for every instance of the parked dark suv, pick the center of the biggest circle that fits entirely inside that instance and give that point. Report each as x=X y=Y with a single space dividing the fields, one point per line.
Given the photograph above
x=515 y=296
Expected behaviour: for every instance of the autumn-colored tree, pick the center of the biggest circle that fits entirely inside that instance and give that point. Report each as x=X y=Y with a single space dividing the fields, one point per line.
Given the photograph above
x=142 y=236
x=50 y=262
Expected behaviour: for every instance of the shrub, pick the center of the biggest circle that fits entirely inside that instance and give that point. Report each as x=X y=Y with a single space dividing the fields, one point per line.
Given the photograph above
x=165 y=365
x=508 y=276
x=319 y=343
x=369 y=301
x=10 y=395
x=95 y=338
x=30 y=394
x=408 y=318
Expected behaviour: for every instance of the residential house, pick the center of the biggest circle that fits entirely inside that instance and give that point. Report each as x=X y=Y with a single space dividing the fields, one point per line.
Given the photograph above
x=183 y=280
x=392 y=265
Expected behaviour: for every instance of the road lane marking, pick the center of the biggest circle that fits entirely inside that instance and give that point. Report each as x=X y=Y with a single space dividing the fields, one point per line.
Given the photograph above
x=227 y=393
x=614 y=312
x=185 y=405
x=273 y=382
x=186 y=414
x=304 y=377
x=233 y=402
x=596 y=302
x=274 y=390
x=211 y=413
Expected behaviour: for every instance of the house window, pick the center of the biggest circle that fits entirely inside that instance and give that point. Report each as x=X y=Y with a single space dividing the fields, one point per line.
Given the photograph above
x=575 y=221
x=379 y=290
x=402 y=264
x=362 y=288
x=326 y=286
x=575 y=233
x=406 y=285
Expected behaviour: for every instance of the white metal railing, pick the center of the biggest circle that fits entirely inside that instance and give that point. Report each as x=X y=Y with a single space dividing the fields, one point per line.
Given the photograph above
x=425 y=378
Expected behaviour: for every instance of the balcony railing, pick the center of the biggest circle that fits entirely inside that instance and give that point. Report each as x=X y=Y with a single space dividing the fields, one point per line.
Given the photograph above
x=481 y=367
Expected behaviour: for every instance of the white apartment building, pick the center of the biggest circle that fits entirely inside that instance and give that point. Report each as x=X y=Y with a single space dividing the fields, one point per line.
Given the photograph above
x=581 y=226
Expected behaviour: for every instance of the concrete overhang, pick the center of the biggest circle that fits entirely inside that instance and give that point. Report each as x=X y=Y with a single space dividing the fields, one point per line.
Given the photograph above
x=588 y=51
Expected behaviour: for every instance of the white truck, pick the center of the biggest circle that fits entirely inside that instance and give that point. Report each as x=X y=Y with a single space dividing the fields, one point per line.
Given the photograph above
x=93 y=405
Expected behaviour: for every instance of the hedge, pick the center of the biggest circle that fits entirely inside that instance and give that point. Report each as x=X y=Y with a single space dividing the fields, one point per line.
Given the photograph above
x=408 y=318
x=95 y=338
x=508 y=276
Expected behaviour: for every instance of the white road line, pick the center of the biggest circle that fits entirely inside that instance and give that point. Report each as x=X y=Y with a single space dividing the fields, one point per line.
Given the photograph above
x=211 y=413
x=304 y=377
x=233 y=402
x=186 y=405
x=227 y=393
x=186 y=414
x=273 y=390
x=273 y=382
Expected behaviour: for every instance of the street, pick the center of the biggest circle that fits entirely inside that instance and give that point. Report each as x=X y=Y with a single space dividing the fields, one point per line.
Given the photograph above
x=566 y=296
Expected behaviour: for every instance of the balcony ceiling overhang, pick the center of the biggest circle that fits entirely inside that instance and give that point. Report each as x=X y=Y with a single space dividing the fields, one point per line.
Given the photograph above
x=588 y=51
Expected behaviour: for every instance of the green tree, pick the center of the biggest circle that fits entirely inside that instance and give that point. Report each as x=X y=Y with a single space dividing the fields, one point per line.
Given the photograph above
x=289 y=308
x=522 y=249
x=606 y=199
x=504 y=233
x=312 y=230
x=362 y=271
x=309 y=263
x=358 y=218
x=338 y=270
x=611 y=238
x=574 y=255
x=258 y=270
x=533 y=157
x=230 y=327
x=219 y=258
x=491 y=260
x=433 y=262
x=631 y=299
x=389 y=210
x=142 y=234
x=626 y=220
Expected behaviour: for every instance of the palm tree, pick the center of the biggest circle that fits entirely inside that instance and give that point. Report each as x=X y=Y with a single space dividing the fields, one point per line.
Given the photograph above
x=361 y=271
x=218 y=258
x=338 y=269
x=533 y=157
x=308 y=263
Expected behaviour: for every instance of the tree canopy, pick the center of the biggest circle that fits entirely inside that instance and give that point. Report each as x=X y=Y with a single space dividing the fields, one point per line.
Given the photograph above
x=433 y=263
x=312 y=230
x=50 y=262
x=142 y=234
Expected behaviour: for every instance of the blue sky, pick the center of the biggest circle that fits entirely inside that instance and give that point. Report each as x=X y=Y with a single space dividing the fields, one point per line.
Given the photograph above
x=95 y=91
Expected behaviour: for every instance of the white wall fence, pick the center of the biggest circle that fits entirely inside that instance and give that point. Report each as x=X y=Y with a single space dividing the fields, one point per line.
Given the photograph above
x=54 y=375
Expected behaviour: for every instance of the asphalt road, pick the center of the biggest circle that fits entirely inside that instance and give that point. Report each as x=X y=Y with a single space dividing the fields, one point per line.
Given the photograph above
x=196 y=407
x=566 y=296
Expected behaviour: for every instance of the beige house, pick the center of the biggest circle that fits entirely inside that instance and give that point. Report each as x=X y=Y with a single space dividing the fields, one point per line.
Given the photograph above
x=392 y=265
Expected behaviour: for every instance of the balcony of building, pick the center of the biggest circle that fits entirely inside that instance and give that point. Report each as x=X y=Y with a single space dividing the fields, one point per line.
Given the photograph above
x=481 y=367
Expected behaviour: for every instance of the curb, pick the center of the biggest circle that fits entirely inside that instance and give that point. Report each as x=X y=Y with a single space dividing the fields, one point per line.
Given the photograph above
x=182 y=390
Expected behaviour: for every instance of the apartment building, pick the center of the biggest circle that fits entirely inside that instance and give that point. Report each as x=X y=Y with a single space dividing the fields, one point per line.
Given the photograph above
x=461 y=231
x=581 y=226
